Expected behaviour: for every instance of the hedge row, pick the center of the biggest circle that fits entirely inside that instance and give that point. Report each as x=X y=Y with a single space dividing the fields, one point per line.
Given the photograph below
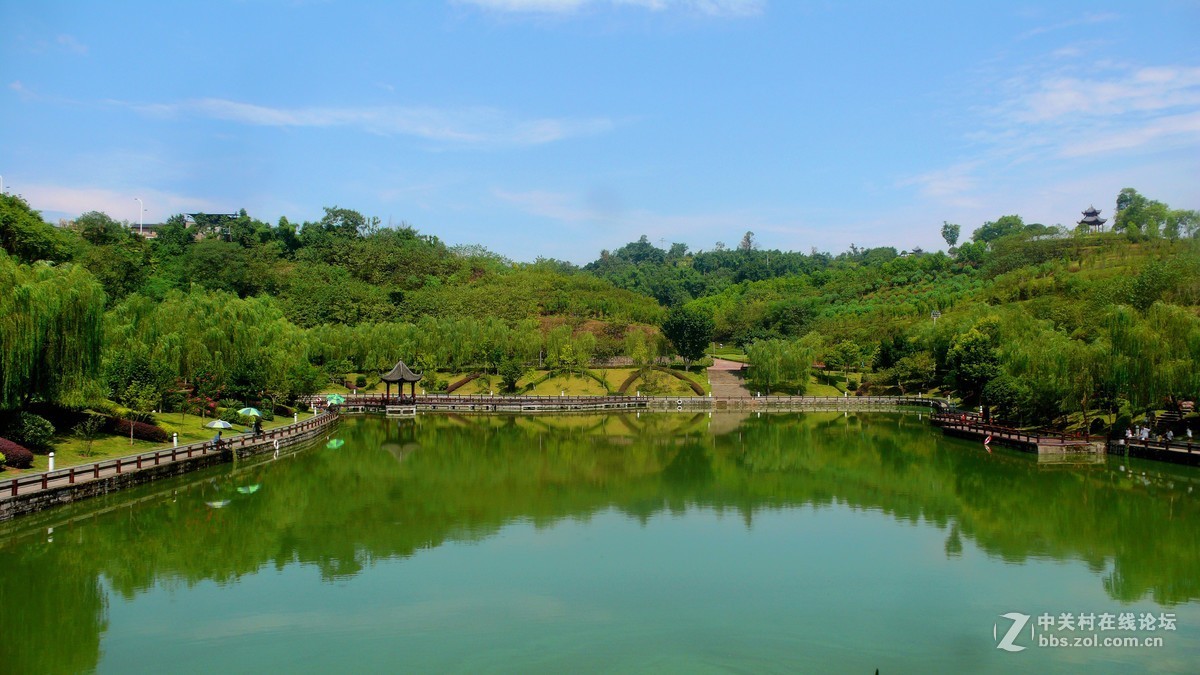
x=141 y=430
x=16 y=456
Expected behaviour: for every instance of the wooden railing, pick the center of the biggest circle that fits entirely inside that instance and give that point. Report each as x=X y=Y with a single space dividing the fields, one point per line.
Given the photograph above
x=1188 y=447
x=461 y=399
x=975 y=423
x=112 y=467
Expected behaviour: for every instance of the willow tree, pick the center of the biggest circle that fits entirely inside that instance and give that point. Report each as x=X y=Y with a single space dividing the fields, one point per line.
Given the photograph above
x=777 y=362
x=51 y=320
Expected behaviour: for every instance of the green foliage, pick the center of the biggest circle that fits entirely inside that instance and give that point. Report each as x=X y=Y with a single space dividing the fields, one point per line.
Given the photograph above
x=779 y=365
x=1001 y=227
x=690 y=330
x=26 y=237
x=33 y=431
x=511 y=371
x=50 y=332
x=950 y=233
x=973 y=359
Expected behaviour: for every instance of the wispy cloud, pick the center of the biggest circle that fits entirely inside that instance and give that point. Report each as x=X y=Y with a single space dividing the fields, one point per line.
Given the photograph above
x=468 y=126
x=1055 y=116
x=73 y=200
x=1143 y=90
x=1086 y=19
x=953 y=186
x=69 y=43
x=715 y=8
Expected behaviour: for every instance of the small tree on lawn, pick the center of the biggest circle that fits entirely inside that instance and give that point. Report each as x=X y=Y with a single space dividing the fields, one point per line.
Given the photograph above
x=690 y=331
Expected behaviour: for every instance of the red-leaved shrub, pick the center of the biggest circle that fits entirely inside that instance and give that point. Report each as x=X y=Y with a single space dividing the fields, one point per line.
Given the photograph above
x=141 y=430
x=16 y=456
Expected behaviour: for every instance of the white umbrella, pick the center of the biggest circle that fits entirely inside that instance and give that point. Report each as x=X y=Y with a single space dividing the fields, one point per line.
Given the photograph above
x=219 y=424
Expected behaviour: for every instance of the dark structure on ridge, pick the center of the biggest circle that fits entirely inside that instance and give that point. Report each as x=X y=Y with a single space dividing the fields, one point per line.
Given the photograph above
x=1092 y=219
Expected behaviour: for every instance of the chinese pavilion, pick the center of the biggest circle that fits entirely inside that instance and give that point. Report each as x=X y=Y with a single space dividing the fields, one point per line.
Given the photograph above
x=1092 y=219
x=399 y=375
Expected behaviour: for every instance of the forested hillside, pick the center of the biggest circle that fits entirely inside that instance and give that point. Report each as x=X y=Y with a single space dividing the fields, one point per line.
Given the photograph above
x=1038 y=322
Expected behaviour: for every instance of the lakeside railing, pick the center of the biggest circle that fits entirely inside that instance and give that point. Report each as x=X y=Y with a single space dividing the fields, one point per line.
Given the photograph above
x=116 y=466
x=509 y=400
x=974 y=423
x=1189 y=447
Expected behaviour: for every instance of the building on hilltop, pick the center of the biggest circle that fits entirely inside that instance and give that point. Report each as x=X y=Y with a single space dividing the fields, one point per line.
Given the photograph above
x=1092 y=219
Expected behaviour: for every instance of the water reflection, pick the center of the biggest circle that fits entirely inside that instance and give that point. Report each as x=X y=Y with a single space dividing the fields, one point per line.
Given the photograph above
x=396 y=487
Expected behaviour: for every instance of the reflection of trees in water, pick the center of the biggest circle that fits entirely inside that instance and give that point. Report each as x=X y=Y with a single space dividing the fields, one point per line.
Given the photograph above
x=53 y=615
x=402 y=485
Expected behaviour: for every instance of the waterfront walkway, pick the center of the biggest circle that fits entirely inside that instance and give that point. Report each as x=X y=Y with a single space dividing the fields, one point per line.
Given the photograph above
x=967 y=425
x=32 y=492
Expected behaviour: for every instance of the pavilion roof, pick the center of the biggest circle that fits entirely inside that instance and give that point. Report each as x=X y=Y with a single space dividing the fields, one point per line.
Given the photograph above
x=401 y=373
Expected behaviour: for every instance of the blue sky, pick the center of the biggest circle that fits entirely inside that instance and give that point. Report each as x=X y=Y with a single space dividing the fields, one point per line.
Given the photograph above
x=563 y=127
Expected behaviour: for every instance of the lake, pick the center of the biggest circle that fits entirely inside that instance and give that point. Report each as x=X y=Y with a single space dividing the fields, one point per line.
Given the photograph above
x=659 y=542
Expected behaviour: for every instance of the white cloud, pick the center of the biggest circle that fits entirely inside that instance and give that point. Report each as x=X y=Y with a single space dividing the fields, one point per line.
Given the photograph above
x=1135 y=91
x=1054 y=121
x=120 y=205
x=475 y=126
x=954 y=185
x=716 y=8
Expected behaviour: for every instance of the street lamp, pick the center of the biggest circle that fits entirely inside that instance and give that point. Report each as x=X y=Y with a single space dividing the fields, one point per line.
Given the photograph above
x=141 y=210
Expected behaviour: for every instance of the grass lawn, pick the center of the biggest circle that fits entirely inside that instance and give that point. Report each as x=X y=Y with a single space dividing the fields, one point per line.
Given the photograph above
x=572 y=385
x=71 y=451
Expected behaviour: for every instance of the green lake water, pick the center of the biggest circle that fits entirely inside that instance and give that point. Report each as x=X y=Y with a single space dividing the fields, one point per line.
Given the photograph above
x=667 y=542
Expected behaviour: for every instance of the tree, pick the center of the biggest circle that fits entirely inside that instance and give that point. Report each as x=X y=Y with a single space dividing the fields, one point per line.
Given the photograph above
x=1001 y=227
x=973 y=361
x=747 y=243
x=690 y=330
x=25 y=236
x=511 y=371
x=950 y=233
x=51 y=330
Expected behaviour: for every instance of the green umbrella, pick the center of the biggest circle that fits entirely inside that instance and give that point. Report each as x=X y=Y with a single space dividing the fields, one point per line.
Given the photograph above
x=334 y=399
x=335 y=443
x=252 y=412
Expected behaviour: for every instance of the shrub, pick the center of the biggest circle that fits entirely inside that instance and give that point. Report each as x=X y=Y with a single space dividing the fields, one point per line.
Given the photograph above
x=231 y=415
x=15 y=455
x=141 y=430
x=33 y=431
x=284 y=411
x=360 y=381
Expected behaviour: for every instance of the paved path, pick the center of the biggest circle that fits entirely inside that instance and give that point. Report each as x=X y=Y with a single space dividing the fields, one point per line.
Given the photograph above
x=726 y=379
x=27 y=484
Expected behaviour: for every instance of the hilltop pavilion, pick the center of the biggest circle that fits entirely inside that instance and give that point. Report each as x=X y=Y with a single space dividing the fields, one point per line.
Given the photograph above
x=1092 y=219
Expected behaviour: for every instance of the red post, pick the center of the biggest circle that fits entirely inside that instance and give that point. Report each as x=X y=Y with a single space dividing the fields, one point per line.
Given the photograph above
x=44 y=479
x=96 y=470
x=71 y=480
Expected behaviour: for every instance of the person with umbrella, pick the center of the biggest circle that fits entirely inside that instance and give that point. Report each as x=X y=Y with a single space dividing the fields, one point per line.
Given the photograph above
x=219 y=425
x=256 y=427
